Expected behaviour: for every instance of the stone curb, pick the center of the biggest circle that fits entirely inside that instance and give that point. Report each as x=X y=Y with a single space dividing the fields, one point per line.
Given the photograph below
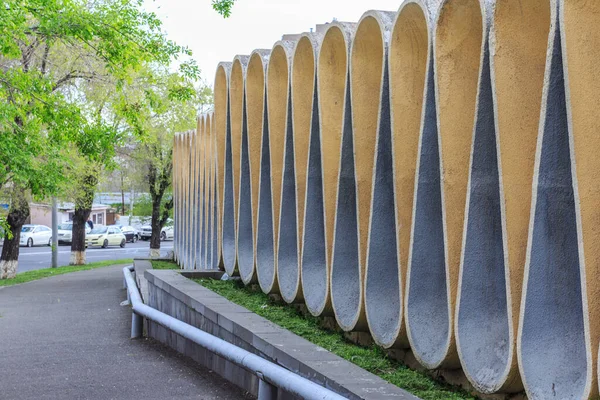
x=173 y=294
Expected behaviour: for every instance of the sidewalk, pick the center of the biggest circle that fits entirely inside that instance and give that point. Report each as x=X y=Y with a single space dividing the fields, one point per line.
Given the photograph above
x=67 y=337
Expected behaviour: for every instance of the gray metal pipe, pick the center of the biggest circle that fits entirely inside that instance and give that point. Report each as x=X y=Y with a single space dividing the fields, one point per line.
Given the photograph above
x=267 y=371
x=266 y=391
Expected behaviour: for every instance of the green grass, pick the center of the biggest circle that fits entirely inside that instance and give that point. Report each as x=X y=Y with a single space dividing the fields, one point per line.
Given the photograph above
x=164 y=265
x=372 y=359
x=46 y=272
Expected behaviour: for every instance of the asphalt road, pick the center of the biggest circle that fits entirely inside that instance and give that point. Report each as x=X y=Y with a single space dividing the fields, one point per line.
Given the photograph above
x=31 y=258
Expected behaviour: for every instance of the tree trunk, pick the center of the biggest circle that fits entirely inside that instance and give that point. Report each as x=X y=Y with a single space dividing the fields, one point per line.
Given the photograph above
x=159 y=179
x=156 y=227
x=83 y=208
x=80 y=218
x=18 y=214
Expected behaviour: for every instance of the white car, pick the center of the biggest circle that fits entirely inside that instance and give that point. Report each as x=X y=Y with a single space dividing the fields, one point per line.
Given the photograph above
x=165 y=233
x=65 y=232
x=105 y=236
x=35 y=235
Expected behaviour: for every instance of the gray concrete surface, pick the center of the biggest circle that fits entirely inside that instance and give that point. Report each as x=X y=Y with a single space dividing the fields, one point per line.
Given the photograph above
x=67 y=337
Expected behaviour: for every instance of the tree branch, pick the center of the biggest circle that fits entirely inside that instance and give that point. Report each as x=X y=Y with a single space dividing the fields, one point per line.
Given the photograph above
x=73 y=75
x=45 y=57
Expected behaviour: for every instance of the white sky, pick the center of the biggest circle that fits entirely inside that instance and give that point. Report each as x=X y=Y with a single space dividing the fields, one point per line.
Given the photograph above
x=253 y=24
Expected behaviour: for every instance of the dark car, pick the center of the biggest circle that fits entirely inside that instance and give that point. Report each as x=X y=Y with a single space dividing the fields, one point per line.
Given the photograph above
x=131 y=234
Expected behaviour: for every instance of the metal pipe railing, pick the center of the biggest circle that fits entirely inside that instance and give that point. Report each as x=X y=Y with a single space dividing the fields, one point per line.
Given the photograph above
x=271 y=376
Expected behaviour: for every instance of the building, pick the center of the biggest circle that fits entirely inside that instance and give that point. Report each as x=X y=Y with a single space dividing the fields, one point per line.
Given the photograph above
x=42 y=213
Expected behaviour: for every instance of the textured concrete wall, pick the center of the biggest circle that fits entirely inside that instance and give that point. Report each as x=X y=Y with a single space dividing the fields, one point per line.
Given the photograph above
x=291 y=223
x=579 y=23
x=428 y=175
x=278 y=108
x=221 y=109
x=554 y=303
x=368 y=55
x=250 y=162
x=408 y=55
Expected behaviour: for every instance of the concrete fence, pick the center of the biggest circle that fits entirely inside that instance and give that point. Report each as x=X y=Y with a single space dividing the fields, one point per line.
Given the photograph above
x=428 y=175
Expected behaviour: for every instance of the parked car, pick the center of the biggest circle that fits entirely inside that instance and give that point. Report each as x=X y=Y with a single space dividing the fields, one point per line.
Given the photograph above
x=65 y=232
x=131 y=234
x=145 y=232
x=105 y=236
x=34 y=235
x=165 y=233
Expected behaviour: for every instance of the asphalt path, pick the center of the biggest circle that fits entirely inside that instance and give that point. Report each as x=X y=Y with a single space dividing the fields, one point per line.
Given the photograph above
x=67 y=337
x=31 y=258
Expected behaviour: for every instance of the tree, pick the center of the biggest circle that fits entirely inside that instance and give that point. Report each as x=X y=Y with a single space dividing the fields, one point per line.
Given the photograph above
x=223 y=7
x=174 y=109
x=17 y=215
x=49 y=50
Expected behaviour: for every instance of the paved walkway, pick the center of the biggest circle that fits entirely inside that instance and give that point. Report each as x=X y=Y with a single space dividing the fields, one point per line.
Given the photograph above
x=67 y=337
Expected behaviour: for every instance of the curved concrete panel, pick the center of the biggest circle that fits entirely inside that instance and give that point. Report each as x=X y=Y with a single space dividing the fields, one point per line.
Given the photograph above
x=198 y=223
x=323 y=165
x=433 y=279
x=338 y=40
x=200 y=250
x=483 y=337
x=181 y=159
x=222 y=126
x=459 y=35
x=552 y=344
x=580 y=29
x=193 y=193
x=193 y=188
x=250 y=163
x=366 y=88
x=214 y=206
x=176 y=197
x=272 y=158
x=426 y=291
x=185 y=189
x=408 y=49
x=245 y=200
x=498 y=208
x=207 y=157
x=209 y=185
x=397 y=146
x=295 y=164
x=232 y=165
x=188 y=179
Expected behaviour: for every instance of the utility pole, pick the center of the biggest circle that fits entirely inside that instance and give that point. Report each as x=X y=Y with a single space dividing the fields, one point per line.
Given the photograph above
x=54 y=233
x=131 y=205
x=122 y=195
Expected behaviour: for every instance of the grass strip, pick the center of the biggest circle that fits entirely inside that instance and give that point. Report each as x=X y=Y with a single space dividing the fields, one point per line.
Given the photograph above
x=46 y=272
x=373 y=358
x=164 y=265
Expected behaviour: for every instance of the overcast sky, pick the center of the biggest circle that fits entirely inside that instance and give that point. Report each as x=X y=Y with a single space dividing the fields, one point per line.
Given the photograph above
x=253 y=24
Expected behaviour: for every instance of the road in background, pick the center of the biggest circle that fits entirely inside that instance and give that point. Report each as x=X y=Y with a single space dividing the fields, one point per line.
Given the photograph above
x=31 y=258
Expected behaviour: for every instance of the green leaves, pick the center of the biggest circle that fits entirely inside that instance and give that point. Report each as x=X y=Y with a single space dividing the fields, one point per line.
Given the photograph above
x=223 y=7
x=69 y=76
